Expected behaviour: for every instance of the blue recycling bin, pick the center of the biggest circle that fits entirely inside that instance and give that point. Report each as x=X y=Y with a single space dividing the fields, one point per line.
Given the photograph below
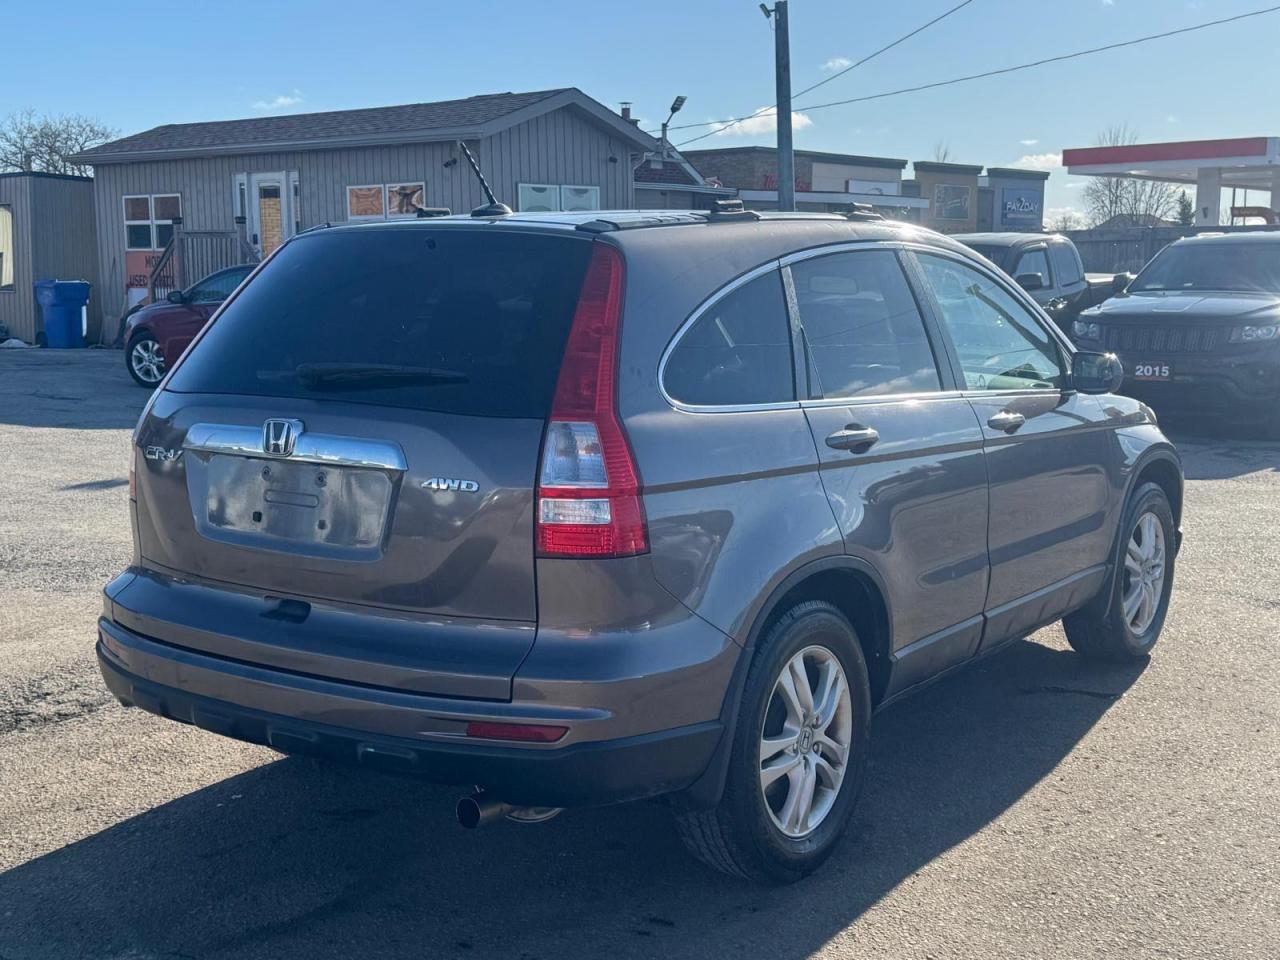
x=62 y=303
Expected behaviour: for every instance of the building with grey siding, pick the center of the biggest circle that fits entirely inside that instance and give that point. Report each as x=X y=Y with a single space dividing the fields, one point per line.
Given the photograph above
x=246 y=186
x=46 y=233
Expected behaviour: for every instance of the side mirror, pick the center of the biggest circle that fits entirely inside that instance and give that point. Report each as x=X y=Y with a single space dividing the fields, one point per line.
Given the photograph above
x=1120 y=282
x=176 y=296
x=1096 y=372
x=1030 y=281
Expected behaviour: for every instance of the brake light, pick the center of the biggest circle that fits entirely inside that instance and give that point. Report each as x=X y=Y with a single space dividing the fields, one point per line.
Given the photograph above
x=589 y=487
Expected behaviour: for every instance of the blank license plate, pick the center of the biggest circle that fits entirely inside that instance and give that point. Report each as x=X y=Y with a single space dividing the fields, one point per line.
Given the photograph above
x=1152 y=371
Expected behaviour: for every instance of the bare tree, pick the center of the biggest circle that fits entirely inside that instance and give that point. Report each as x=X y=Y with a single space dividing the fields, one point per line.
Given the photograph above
x=47 y=143
x=942 y=151
x=1067 y=220
x=1137 y=200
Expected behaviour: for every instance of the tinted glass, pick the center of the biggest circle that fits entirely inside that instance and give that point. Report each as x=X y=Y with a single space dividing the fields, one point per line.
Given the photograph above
x=1001 y=344
x=218 y=287
x=1218 y=266
x=863 y=332
x=737 y=352
x=1034 y=261
x=1066 y=263
x=993 y=253
x=475 y=320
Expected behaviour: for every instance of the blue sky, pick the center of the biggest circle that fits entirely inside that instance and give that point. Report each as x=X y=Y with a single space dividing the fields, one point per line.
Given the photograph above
x=136 y=65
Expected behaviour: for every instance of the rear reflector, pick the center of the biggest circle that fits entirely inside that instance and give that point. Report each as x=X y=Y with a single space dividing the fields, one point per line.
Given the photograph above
x=524 y=732
x=589 y=488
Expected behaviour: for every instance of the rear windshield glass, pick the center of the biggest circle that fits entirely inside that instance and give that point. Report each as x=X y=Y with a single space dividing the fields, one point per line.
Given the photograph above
x=469 y=321
x=1244 y=267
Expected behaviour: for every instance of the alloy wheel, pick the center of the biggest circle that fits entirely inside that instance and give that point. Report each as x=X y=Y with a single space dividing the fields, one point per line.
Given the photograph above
x=147 y=360
x=805 y=741
x=1144 y=572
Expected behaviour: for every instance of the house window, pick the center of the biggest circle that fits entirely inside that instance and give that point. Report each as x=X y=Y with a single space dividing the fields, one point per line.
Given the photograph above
x=405 y=199
x=365 y=202
x=6 y=250
x=386 y=201
x=548 y=197
x=148 y=220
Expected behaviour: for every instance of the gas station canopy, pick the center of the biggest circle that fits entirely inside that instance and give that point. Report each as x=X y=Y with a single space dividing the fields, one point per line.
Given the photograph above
x=1249 y=163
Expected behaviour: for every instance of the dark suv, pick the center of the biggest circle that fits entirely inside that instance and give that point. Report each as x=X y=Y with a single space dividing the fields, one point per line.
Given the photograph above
x=585 y=508
x=1199 y=328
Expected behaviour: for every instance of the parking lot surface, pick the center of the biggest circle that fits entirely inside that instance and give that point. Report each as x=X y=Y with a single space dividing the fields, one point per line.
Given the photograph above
x=1033 y=806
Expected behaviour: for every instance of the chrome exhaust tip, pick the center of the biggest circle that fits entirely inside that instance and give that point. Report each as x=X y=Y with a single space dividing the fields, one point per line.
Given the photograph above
x=480 y=809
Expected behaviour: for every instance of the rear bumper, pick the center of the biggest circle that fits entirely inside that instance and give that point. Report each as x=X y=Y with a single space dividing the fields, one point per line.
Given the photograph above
x=394 y=731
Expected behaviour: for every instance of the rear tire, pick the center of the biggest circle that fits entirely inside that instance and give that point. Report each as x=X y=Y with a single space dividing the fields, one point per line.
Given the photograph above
x=810 y=744
x=1143 y=582
x=145 y=359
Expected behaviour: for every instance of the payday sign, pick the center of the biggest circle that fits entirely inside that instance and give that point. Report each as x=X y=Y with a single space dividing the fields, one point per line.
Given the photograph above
x=1021 y=204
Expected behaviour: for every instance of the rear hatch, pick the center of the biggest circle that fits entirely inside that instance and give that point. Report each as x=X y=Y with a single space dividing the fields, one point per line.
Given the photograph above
x=359 y=432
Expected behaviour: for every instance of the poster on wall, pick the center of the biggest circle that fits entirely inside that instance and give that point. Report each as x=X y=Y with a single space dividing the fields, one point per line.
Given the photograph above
x=1021 y=204
x=951 y=201
x=405 y=199
x=365 y=203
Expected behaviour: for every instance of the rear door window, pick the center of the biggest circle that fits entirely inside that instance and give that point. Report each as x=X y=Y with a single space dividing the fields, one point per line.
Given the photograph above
x=460 y=320
x=738 y=352
x=864 y=335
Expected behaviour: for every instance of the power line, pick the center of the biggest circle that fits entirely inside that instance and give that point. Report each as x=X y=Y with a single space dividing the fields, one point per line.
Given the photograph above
x=1004 y=70
x=763 y=111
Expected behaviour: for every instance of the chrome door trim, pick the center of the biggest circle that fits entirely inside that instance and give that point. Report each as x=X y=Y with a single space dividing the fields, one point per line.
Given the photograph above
x=769 y=267
x=242 y=441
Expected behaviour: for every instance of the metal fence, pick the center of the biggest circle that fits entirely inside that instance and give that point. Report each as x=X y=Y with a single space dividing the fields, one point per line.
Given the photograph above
x=1118 y=251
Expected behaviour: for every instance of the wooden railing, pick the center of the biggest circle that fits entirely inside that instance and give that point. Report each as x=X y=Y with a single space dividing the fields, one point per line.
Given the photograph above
x=192 y=255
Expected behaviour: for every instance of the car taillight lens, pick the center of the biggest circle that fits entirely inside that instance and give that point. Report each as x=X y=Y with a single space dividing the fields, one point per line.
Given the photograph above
x=589 y=487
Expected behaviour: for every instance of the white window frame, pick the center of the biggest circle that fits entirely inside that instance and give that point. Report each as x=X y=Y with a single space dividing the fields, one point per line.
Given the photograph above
x=295 y=201
x=386 y=198
x=579 y=186
x=382 y=192
x=151 y=222
x=148 y=223
x=11 y=287
x=541 y=186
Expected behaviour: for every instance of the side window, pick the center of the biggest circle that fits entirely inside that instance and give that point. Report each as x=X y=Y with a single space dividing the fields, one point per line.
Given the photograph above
x=1001 y=344
x=217 y=288
x=1035 y=261
x=863 y=332
x=737 y=352
x=1066 y=263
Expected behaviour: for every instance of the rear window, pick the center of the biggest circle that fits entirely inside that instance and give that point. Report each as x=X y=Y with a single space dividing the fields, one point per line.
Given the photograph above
x=469 y=321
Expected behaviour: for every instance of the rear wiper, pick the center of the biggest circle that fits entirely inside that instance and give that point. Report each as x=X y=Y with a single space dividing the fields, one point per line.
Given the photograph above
x=337 y=376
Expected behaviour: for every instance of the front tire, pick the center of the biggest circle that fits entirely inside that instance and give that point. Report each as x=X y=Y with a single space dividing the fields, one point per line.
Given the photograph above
x=145 y=359
x=799 y=752
x=1143 y=581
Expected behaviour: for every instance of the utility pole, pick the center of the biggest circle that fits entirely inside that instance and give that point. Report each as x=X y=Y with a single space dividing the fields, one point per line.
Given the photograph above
x=782 y=68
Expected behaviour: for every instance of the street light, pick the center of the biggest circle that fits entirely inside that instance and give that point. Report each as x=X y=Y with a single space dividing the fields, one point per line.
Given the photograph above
x=676 y=104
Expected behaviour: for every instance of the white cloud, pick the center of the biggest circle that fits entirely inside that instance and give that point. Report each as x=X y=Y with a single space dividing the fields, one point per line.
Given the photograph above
x=1029 y=143
x=282 y=101
x=837 y=63
x=1171 y=118
x=1108 y=3
x=764 y=120
x=1039 y=161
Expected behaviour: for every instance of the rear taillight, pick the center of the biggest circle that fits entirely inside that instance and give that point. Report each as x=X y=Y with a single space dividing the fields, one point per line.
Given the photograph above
x=589 y=487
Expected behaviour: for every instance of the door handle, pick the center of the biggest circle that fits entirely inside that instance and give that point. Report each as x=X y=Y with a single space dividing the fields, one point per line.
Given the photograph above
x=1006 y=421
x=855 y=438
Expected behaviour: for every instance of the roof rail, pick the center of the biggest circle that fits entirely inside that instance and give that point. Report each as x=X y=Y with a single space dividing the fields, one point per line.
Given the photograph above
x=723 y=210
x=426 y=212
x=319 y=226
x=863 y=211
x=608 y=225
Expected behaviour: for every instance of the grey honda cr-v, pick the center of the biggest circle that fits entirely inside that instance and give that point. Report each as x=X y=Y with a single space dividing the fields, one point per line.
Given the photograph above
x=584 y=508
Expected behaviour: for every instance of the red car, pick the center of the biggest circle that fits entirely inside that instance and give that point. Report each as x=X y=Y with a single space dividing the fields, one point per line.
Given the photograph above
x=164 y=329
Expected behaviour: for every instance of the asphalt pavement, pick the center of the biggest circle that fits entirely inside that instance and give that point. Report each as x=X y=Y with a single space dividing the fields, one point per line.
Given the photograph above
x=1034 y=806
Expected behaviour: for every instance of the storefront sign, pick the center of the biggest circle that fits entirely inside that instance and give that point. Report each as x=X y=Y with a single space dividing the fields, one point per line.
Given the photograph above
x=1021 y=204
x=951 y=201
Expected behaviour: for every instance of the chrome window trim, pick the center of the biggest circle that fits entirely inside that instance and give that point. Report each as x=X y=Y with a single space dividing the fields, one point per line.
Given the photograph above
x=772 y=266
x=918 y=396
x=242 y=441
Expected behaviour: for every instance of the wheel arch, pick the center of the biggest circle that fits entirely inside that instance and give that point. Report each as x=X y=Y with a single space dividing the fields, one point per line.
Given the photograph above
x=852 y=586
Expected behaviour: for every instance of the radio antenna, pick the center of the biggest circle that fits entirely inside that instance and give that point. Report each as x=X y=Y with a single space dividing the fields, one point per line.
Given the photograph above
x=493 y=208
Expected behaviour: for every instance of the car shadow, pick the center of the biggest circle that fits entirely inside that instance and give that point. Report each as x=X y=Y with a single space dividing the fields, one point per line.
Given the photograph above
x=299 y=860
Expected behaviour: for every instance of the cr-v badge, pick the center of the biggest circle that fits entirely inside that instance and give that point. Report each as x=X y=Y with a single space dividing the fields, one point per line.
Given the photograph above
x=442 y=484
